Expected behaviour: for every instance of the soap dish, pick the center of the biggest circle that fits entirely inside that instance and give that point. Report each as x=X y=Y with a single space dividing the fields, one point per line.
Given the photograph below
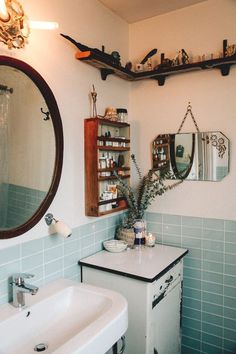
x=115 y=246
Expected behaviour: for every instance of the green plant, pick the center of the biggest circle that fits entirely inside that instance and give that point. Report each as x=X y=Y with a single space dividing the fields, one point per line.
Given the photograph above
x=148 y=188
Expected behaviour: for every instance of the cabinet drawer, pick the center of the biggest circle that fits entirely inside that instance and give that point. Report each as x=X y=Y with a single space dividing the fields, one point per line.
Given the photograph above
x=169 y=280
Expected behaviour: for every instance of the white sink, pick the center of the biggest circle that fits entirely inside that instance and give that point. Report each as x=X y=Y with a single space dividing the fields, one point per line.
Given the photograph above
x=69 y=317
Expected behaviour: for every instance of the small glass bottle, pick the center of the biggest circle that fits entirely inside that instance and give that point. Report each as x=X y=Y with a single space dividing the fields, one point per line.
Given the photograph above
x=102 y=161
x=139 y=231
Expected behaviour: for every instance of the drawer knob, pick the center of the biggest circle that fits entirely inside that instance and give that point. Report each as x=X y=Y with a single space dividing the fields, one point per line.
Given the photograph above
x=169 y=280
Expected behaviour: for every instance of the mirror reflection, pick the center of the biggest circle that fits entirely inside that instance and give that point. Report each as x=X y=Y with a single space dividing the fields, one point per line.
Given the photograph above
x=198 y=156
x=27 y=148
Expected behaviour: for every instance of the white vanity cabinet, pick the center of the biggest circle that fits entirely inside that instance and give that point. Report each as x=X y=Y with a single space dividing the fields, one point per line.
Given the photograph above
x=151 y=281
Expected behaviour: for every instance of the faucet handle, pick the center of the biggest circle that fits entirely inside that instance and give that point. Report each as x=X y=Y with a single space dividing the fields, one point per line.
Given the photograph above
x=18 y=278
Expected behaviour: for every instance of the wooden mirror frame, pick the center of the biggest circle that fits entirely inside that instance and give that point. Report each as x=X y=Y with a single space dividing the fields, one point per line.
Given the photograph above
x=58 y=132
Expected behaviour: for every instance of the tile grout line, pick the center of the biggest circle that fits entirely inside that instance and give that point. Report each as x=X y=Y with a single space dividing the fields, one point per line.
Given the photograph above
x=224 y=269
x=201 y=243
x=44 y=275
x=63 y=258
x=21 y=257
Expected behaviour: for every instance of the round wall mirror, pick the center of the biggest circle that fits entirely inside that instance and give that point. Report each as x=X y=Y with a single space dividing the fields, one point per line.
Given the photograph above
x=31 y=147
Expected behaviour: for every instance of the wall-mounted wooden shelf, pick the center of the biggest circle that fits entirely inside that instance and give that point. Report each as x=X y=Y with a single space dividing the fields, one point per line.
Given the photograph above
x=106 y=68
x=119 y=140
x=112 y=178
x=102 y=162
x=114 y=169
x=113 y=148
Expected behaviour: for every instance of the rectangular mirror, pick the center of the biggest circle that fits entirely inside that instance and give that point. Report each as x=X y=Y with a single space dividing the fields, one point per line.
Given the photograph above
x=202 y=156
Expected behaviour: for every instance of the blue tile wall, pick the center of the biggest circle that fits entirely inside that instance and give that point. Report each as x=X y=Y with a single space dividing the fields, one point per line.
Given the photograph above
x=3 y=201
x=20 y=203
x=209 y=292
x=53 y=257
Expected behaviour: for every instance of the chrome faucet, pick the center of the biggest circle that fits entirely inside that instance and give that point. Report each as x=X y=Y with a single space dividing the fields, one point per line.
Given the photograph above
x=20 y=288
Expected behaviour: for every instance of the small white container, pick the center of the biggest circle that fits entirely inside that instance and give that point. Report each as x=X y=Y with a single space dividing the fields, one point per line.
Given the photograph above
x=139 y=67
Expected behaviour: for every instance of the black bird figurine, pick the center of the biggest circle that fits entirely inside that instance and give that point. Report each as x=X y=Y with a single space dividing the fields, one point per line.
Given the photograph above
x=149 y=55
x=83 y=48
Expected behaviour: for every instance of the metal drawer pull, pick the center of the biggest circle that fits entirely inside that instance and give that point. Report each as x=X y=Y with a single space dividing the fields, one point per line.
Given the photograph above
x=169 y=280
x=158 y=299
x=123 y=345
x=122 y=350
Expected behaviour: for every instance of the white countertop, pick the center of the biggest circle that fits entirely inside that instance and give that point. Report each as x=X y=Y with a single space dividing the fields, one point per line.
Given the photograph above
x=145 y=263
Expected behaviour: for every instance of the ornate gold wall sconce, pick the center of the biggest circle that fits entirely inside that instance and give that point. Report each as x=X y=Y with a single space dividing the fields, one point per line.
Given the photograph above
x=14 y=29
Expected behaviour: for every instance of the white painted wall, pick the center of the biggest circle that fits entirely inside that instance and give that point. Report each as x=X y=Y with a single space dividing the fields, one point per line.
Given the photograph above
x=154 y=110
x=71 y=81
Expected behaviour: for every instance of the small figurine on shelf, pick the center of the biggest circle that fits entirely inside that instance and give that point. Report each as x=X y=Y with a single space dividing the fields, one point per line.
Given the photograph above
x=111 y=114
x=185 y=57
x=94 y=99
x=128 y=66
x=181 y=58
x=231 y=50
x=177 y=58
x=116 y=56
x=149 y=64
x=228 y=50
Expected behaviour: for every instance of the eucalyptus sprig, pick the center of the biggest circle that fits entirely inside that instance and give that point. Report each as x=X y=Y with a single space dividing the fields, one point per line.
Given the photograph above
x=149 y=187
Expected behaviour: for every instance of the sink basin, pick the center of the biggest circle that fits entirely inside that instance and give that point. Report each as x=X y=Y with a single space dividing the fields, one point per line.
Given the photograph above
x=67 y=317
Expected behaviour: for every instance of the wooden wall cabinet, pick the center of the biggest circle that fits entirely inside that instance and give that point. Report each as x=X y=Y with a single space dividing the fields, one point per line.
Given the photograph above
x=107 y=149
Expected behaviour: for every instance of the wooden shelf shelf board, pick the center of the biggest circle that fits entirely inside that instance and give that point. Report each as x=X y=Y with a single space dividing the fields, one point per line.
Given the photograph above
x=160 y=74
x=107 y=178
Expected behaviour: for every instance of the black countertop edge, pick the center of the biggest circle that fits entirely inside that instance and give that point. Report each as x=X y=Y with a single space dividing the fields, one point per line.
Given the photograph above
x=134 y=276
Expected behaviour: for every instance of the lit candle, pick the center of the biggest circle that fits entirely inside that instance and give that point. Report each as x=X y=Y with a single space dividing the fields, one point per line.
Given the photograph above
x=150 y=240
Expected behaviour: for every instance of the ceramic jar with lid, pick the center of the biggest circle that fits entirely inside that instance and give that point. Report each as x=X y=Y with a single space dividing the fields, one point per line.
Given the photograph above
x=122 y=114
